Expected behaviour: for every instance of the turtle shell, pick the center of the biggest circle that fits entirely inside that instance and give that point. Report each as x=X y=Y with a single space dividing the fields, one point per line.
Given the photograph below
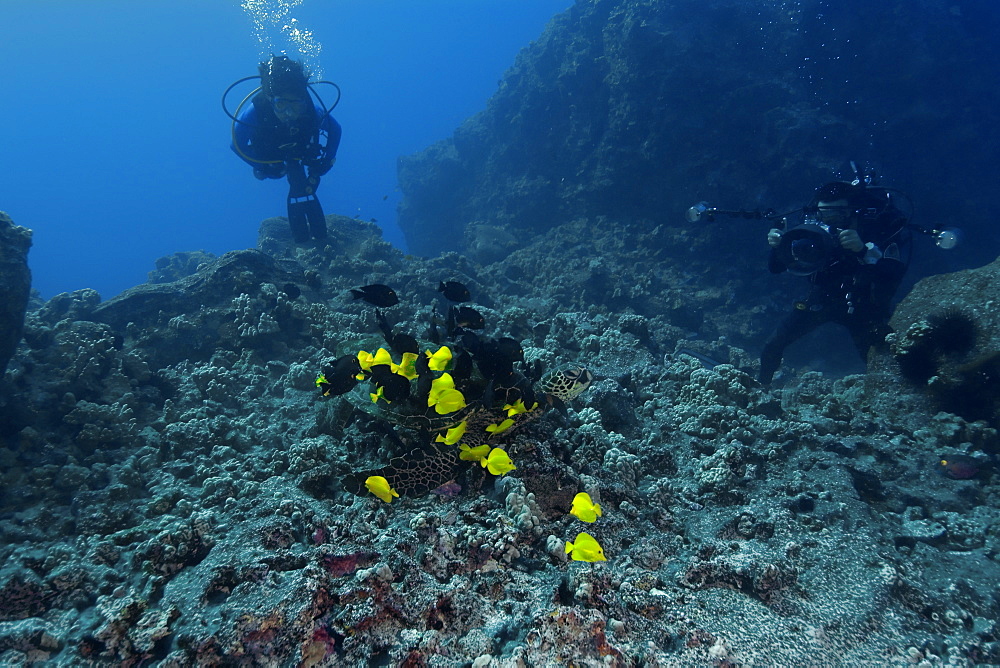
x=406 y=413
x=566 y=381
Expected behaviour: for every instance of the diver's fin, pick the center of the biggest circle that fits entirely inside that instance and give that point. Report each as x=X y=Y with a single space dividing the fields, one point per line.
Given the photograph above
x=317 y=221
x=298 y=221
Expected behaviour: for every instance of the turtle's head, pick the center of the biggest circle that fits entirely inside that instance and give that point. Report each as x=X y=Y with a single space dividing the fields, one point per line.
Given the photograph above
x=567 y=381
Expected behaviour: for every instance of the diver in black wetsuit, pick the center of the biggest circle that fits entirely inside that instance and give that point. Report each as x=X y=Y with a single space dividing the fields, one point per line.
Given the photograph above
x=854 y=247
x=283 y=133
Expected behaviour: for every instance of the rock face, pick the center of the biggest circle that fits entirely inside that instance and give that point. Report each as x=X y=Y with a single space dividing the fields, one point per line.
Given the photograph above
x=15 y=285
x=637 y=109
x=974 y=291
x=947 y=341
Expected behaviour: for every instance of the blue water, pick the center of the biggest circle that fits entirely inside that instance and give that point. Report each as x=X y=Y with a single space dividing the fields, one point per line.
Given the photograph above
x=116 y=148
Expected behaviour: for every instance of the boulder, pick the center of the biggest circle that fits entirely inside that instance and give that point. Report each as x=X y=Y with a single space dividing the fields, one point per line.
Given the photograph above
x=15 y=285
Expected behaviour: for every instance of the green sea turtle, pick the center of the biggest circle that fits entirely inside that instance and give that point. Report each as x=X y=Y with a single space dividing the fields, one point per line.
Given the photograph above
x=492 y=411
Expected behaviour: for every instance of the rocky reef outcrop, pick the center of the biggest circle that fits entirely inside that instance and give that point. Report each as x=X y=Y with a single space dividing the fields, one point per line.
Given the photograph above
x=172 y=482
x=178 y=487
x=636 y=109
x=15 y=285
x=947 y=342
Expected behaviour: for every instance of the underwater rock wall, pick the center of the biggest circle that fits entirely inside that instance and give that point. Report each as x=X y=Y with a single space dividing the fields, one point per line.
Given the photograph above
x=637 y=109
x=15 y=285
x=947 y=342
x=171 y=486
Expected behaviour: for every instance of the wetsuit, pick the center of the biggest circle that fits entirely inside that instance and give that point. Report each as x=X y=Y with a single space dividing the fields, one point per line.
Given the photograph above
x=854 y=290
x=303 y=152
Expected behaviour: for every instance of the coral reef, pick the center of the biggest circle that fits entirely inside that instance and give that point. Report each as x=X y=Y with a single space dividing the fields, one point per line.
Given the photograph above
x=174 y=486
x=175 y=491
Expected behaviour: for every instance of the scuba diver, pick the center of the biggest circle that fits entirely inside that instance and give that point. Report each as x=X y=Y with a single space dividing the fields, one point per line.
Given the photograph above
x=854 y=246
x=284 y=133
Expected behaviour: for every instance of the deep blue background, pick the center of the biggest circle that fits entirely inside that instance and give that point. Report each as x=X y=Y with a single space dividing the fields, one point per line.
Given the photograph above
x=115 y=146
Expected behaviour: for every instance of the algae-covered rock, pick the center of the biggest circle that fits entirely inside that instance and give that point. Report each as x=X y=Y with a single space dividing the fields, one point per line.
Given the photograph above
x=947 y=341
x=15 y=285
x=973 y=291
x=220 y=280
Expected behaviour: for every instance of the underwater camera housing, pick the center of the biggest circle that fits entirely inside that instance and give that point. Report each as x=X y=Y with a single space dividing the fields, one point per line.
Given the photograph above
x=807 y=248
x=812 y=244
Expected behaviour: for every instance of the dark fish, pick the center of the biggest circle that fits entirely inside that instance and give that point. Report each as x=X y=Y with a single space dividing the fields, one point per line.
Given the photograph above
x=558 y=404
x=462 y=369
x=469 y=341
x=404 y=343
x=487 y=398
x=510 y=348
x=376 y=294
x=496 y=359
x=425 y=377
x=454 y=291
x=527 y=392
x=383 y=325
x=464 y=317
x=469 y=318
x=399 y=343
x=432 y=332
x=291 y=290
x=960 y=467
x=340 y=376
x=394 y=387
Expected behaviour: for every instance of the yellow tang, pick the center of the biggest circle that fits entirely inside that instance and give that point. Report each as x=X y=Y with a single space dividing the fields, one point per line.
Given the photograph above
x=476 y=454
x=379 y=486
x=407 y=366
x=439 y=385
x=498 y=462
x=439 y=361
x=586 y=548
x=518 y=407
x=453 y=435
x=500 y=428
x=443 y=395
x=449 y=402
x=379 y=393
x=585 y=508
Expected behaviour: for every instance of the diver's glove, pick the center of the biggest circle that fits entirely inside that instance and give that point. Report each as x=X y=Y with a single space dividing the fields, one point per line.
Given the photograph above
x=850 y=240
x=774 y=237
